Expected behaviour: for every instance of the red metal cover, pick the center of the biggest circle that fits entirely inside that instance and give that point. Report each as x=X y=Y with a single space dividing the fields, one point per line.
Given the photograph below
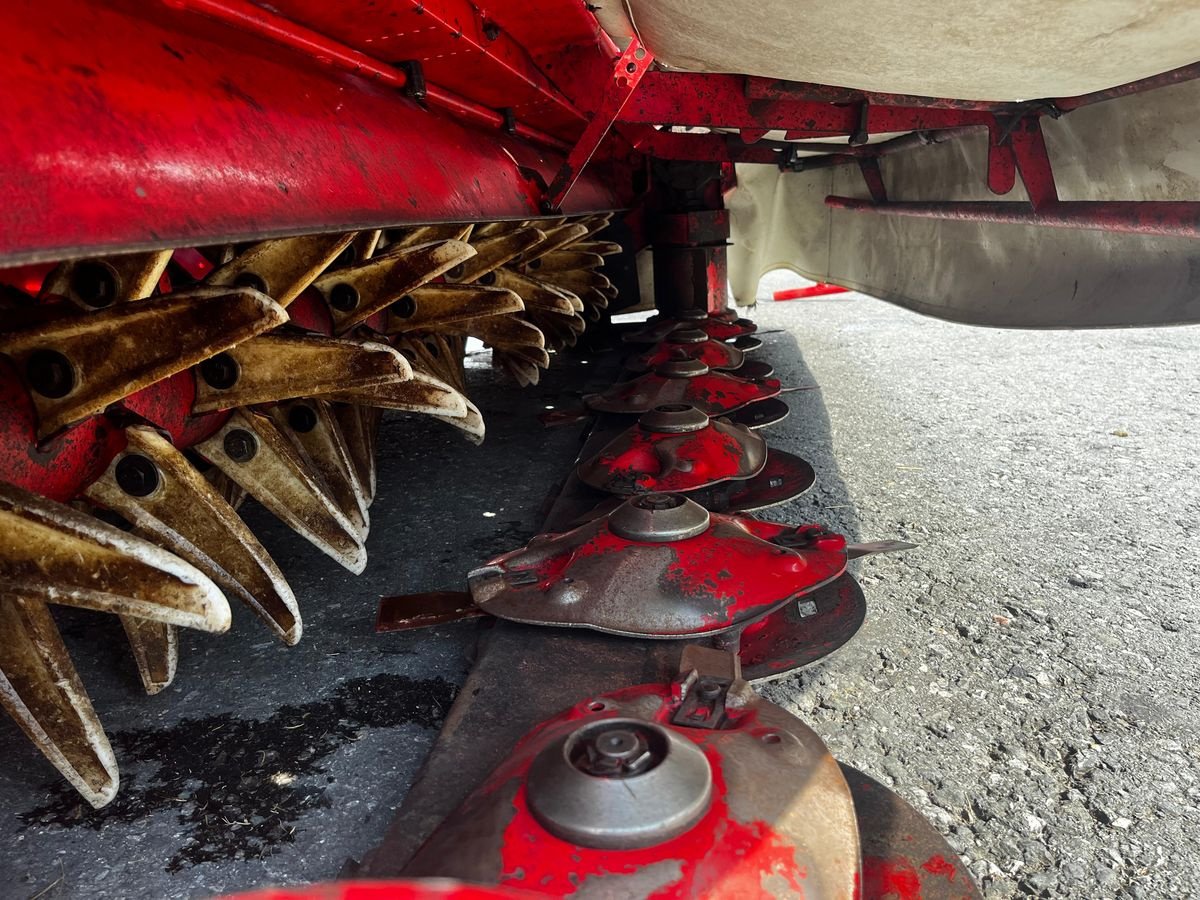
x=714 y=393
x=675 y=448
x=682 y=344
x=780 y=820
x=659 y=566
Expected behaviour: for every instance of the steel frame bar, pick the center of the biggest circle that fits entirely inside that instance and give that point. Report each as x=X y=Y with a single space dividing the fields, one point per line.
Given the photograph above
x=627 y=74
x=151 y=127
x=773 y=89
x=1172 y=218
x=720 y=101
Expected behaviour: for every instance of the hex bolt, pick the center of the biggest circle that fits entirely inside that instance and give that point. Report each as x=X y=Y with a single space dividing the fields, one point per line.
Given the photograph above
x=220 y=372
x=137 y=475
x=240 y=445
x=302 y=418
x=405 y=307
x=50 y=374
x=708 y=690
x=343 y=297
x=94 y=284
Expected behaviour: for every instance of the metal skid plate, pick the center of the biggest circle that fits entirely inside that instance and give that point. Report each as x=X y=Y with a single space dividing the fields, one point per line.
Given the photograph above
x=779 y=819
x=803 y=632
x=616 y=574
x=675 y=448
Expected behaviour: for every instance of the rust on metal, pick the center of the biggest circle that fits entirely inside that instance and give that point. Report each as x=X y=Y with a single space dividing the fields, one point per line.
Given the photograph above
x=76 y=365
x=282 y=267
x=357 y=292
x=251 y=451
x=93 y=284
x=281 y=366
x=169 y=503
x=318 y=440
x=434 y=305
x=412 y=611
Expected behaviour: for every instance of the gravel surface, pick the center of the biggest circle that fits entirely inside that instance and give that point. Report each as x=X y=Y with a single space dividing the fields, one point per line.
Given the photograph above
x=1027 y=678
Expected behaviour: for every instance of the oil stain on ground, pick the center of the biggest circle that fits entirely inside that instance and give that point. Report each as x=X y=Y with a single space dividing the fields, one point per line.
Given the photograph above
x=238 y=785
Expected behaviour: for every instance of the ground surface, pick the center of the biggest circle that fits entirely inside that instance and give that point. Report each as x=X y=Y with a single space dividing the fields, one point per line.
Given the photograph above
x=1027 y=677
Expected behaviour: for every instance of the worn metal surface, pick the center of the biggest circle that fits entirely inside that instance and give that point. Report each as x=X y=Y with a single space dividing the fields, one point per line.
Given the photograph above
x=798 y=634
x=781 y=821
x=689 y=343
x=715 y=393
x=76 y=365
x=903 y=857
x=733 y=572
x=171 y=503
x=661 y=453
x=251 y=450
x=50 y=553
x=195 y=130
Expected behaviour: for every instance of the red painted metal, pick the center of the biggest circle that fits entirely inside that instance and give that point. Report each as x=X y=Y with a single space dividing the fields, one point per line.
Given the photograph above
x=412 y=889
x=167 y=405
x=1032 y=160
x=675 y=98
x=716 y=393
x=714 y=354
x=1173 y=218
x=717 y=327
x=643 y=459
x=61 y=466
x=733 y=573
x=820 y=289
x=773 y=89
x=627 y=74
x=171 y=128
x=460 y=47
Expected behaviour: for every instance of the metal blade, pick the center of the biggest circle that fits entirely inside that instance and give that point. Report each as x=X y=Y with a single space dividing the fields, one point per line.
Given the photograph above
x=168 y=502
x=77 y=365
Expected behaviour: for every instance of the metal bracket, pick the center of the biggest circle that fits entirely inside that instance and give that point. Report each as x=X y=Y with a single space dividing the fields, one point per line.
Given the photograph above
x=626 y=76
x=414 y=87
x=709 y=687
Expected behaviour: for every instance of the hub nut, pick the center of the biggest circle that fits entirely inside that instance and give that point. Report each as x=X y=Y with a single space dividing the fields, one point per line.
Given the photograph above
x=620 y=784
x=658 y=518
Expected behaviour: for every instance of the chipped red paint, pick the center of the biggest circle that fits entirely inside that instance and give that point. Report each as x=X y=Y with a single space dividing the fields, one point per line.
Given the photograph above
x=643 y=460
x=59 y=467
x=384 y=890
x=889 y=879
x=715 y=393
x=939 y=865
x=714 y=354
x=729 y=575
x=719 y=857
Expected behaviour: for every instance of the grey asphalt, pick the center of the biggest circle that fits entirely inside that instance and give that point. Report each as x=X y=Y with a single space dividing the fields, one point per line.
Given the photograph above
x=1026 y=677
